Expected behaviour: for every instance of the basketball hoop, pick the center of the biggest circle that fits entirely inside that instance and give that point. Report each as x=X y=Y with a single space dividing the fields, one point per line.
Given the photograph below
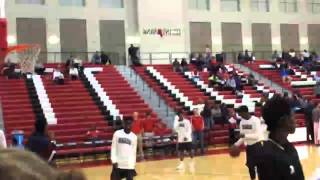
x=25 y=55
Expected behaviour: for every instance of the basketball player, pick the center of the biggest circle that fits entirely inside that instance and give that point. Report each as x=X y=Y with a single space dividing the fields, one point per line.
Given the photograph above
x=123 y=153
x=184 y=130
x=276 y=158
x=250 y=133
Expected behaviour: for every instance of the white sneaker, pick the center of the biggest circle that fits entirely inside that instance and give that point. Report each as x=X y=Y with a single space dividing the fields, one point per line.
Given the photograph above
x=180 y=166
x=192 y=167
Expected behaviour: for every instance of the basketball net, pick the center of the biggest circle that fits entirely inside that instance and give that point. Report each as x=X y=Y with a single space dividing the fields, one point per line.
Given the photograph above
x=26 y=55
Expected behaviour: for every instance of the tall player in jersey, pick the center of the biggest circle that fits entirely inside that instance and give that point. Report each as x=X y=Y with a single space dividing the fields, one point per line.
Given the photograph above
x=251 y=132
x=123 y=152
x=183 y=128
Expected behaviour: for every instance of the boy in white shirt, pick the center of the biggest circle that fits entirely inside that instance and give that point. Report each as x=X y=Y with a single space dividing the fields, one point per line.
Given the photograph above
x=123 y=152
x=58 y=77
x=251 y=132
x=183 y=128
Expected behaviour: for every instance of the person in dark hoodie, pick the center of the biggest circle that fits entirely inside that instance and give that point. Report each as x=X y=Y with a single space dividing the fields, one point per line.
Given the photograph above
x=41 y=141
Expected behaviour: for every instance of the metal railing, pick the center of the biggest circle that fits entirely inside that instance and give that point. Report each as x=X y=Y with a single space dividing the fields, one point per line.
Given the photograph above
x=260 y=77
x=147 y=87
x=122 y=58
x=58 y=57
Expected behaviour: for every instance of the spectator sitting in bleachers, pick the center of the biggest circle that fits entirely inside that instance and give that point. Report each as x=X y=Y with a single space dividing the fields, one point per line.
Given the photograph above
x=247 y=56
x=9 y=70
x=317 y=77
x=58 y=77
x=285 y=56
x=176 y=65
x=241 y=58
x=70 y=62
x=213 y=80
x=74 y=74
x=93 y=134
x=251 y=80
x=184 y=65
x=317 y=89
x=195 y=75
x=231 y=83
x=193 y=58
x=200 y=62
x=105 y=60
x=284 y=73
x=306 y=55
x=314 y=57
x=39 y=68
x=96 y=59
x=292 y=53
x=238 y=81
x=275 y=56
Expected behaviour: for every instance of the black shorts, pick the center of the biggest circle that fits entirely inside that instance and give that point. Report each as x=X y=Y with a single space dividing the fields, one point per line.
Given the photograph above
x=118 y=174
x=187 y=146
x=250 y=152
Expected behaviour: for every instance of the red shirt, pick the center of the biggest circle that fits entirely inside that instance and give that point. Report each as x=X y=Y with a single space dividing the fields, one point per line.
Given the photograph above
x=148 y=125
x=197 y=123
x=137 y=126
x=160 y=131
x=93 y=133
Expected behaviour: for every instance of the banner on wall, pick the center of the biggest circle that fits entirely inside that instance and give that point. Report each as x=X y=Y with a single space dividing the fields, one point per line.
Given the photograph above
x=162 y=32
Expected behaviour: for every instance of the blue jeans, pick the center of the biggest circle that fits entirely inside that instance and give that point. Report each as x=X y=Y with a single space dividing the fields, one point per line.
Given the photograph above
x=208 y=122
x=198 y=136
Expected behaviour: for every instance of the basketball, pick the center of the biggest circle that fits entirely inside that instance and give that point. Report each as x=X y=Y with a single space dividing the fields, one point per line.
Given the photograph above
x=234 y=151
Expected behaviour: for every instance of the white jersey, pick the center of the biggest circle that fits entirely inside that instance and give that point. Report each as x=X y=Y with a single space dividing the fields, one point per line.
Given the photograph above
x=3 y=142
x=184 y=130
x=124 y=149
x=57 y=74
x=252 y=130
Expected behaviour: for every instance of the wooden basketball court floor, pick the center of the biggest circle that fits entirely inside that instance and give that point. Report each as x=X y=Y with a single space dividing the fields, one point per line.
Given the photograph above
x=213 y=167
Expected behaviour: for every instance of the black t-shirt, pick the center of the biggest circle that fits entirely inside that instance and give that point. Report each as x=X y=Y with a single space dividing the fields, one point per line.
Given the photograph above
x=40 y=144
x=274 y=163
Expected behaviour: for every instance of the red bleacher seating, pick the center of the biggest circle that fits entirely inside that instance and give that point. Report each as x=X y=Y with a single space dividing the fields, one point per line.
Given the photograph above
x=126 y=99
x=17 y=109
x=75 y=111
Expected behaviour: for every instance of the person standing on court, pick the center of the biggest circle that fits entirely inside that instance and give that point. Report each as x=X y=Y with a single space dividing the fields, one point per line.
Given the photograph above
x=315 y=119
x=123 y=152
x=137 y=129
x=3 y=142
x=250 y=133
x=277 y=158
x=183 y=128
x=198 y=128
